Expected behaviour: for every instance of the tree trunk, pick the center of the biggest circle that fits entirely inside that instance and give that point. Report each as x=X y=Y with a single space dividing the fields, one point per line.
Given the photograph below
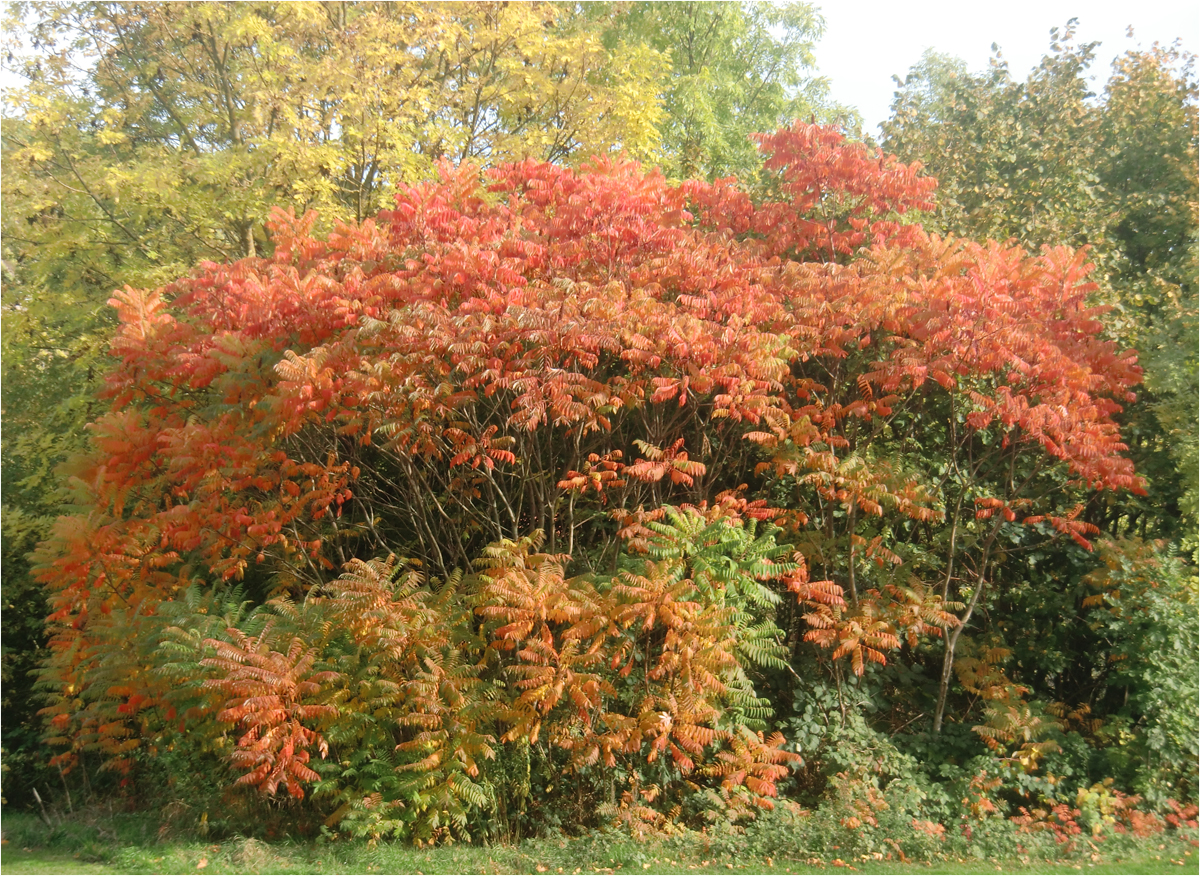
x=944 y=682
x=952 y=637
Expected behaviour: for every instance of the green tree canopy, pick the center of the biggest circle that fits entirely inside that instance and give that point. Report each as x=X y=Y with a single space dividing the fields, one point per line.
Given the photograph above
x=737 y=69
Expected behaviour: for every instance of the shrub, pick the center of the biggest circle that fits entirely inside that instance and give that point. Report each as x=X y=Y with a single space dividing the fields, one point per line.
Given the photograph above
x=582 y=404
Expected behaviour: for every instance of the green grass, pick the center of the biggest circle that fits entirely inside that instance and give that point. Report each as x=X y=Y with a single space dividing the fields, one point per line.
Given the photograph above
x=132 y=844
x=44 y=861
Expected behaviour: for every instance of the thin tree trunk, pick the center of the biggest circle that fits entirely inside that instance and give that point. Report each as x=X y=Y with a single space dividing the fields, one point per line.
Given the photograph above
x=952 y=636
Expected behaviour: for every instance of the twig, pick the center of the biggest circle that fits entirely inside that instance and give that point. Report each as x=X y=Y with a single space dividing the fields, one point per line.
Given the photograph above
x=42 y=807
x=906 y=723
x=66 y=790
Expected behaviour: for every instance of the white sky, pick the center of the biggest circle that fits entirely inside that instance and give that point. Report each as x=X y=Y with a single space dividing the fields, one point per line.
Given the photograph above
x=866 y=42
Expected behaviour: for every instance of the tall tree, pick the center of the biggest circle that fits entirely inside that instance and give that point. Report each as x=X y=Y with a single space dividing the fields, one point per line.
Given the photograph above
x=1044 y=160
x=1150 y=173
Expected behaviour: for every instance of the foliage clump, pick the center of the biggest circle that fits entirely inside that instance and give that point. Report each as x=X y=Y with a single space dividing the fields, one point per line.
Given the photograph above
x=1044 y=161
x=648 y=449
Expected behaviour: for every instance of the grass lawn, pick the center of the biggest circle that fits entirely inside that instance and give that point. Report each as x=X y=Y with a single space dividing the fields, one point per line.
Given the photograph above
x=122 y=850
x=45 y=861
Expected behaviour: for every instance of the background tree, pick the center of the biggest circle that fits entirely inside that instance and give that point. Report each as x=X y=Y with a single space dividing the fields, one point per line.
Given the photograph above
x=736 y=69
x=1149 y=139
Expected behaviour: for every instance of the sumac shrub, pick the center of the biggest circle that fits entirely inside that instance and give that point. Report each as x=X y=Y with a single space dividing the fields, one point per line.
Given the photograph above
x=588 y=408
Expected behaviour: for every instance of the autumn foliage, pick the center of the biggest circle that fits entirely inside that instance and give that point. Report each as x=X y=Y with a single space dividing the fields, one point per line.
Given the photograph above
x=639 y=443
